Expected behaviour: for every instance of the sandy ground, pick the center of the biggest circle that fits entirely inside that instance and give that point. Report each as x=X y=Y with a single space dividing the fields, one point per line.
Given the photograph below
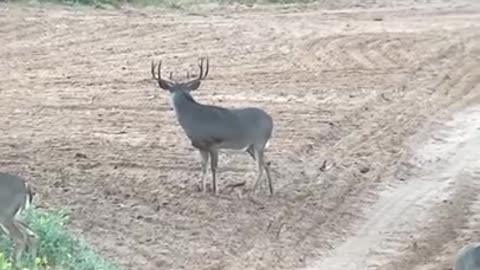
x=367 y=88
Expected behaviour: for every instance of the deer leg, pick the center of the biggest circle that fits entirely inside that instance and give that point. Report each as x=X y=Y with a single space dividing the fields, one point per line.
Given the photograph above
x=18 y=237
x=266 y=166
x=259 y=155
x=4 y=230
x=214 y=164
x=32 y=238
x=204 y=155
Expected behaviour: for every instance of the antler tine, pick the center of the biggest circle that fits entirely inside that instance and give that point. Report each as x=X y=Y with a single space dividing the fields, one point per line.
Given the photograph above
x=163 y=83
x=171 y=75
x=188 y=75
x=159 y=71
x=203 y=75
x=206 y=70
x=200 y=65
x=153 y=70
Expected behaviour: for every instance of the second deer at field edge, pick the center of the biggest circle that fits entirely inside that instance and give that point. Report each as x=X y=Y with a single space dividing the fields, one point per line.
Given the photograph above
x=16 y=196
x=212 y=128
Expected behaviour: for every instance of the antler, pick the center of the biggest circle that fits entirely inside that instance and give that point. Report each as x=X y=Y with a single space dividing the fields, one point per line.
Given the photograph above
x=169 y=84
x=202 y=75
x=153 y=69
x=161 y=82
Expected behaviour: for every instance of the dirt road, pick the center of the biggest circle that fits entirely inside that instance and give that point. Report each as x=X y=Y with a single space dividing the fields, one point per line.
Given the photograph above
x=363 y=87
x=419 y=219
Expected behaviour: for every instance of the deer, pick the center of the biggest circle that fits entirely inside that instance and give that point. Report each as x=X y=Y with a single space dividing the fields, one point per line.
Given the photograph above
x=468 y=257
x=211 y=129
x=15 y=197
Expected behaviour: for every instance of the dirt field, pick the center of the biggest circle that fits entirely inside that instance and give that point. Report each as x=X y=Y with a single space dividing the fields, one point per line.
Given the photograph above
x=359 y=87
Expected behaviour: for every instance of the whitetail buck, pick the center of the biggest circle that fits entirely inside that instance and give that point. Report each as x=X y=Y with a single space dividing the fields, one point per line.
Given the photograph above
x=468 y=257
x=211 y=128
x=16 y=196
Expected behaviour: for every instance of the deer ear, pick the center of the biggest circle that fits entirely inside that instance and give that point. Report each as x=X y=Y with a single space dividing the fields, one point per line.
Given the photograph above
x=170 y=85
x=165 y=85
x=193 y=85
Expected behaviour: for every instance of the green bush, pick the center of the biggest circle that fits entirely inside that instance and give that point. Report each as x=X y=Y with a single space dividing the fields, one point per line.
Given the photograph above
x=58 y=249
x=5 y=264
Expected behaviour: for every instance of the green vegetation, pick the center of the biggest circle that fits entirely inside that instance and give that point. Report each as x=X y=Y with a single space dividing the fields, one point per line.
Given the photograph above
x=58 y=249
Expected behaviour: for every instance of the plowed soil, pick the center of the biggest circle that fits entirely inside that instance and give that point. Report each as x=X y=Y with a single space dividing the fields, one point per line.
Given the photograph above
x=366 y=88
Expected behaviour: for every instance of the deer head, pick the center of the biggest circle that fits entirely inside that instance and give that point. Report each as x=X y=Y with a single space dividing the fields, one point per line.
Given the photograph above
x=172 y=85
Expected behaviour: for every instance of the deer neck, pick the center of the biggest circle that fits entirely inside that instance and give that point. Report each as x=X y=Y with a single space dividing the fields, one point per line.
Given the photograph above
x=182 y=102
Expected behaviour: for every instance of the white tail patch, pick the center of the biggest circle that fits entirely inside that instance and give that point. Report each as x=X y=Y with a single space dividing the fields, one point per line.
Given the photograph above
x=267 y=144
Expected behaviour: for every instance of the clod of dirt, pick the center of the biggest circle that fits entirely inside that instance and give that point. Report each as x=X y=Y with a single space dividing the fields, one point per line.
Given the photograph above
x=385 y=97
x=148 y=240
x=364 y=169
x=57 y=184
x=80 y=155
x=236 y=185
x=326 y=165
x=148 y=219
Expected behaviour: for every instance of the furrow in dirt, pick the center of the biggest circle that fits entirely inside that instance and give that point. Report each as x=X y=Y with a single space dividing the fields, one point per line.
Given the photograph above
x=408 y=210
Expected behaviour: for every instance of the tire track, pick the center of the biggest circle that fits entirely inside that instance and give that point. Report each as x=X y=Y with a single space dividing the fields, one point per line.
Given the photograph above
x=369 y=51
x=456 y=219
x=404 y=207
x=456 y=224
